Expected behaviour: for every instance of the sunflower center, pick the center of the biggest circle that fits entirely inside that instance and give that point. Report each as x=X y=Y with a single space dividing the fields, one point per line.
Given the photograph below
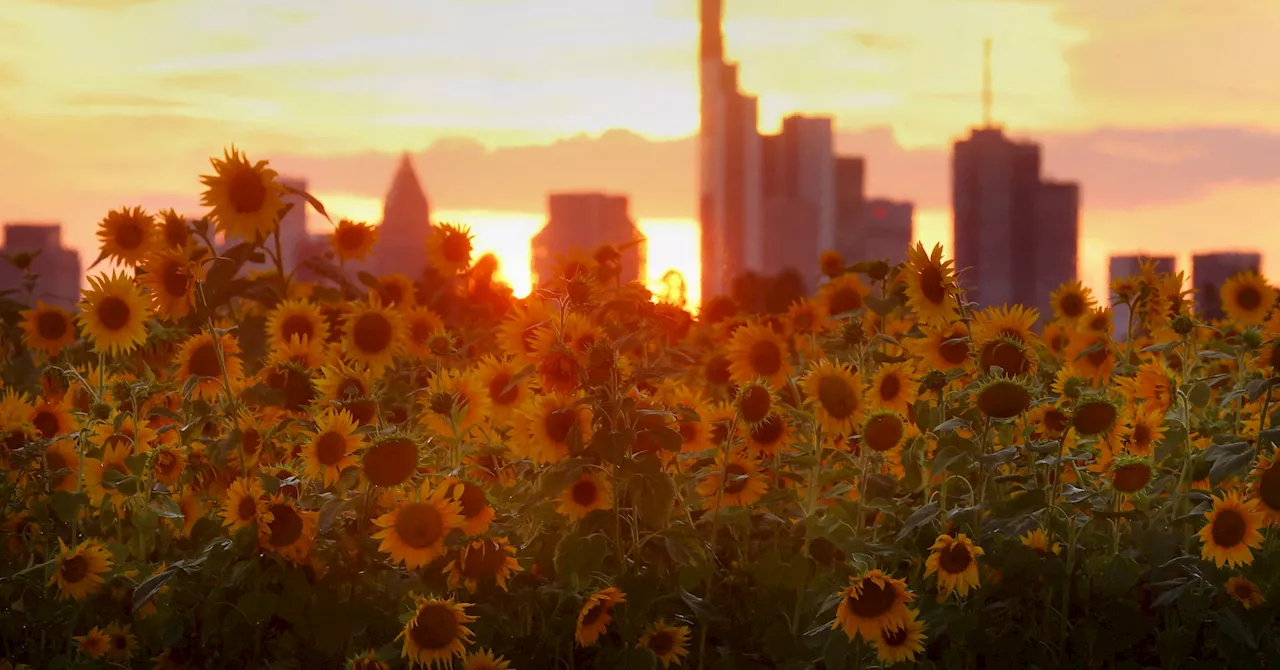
x=1072 y=305
x=204 y=361
x=560 y=371
x=559 y=423
x=931 y=286
x=175 y=280
x=1269 y=487
x=838 y=397
x=247 y=508
x=498 y=391
x=129 y=235
x=585 y=492
x=391 y=462
x=1098 y=357
x=883 y=432
x=1093 y=418
x=1008 y=356
x=765 y=358
x=286 y=527
x=372 y=333
x=51 y=325
x=1055 y=420
x=755 y=403
x=350 y=238
x=1004 y=400
x=443 y=403
x=435 y=628
x=297 y=388
x=472 y=500
x=1229 y=528
x=54 y=461
x=593 y=615
x=250 y=440
x=1142 y=435
x=1244 y=590
x=330 y=448
x=1131 y=478
x=1249 y=298
x=456 y=248
x=662 y=643
x=419 y=525
x=889 y=387
x=845 y=300
x=482 y=559
x=46 y=423
x=769 y=431
x=391 y=293
x=955 y=559
x=120 y=641
x=873 y=601
x=176 y=232
x=164 y=462
x=114 y=313
x=894 y=637
x=735 y=479
x=954 y=350
x=688 y=431
x=75 y=569
x=297 y=324
x=420 y=331
x=245 y=190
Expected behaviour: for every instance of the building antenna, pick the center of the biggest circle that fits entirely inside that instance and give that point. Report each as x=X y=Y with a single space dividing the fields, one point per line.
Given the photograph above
x=988 y=97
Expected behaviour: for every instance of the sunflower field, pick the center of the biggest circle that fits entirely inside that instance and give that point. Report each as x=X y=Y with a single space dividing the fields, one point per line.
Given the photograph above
x=221 y=462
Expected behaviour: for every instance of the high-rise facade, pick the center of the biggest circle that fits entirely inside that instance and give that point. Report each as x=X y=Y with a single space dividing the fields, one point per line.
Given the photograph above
x=798 y=179
x=731 y=210
x=584 y=222
x=57 y=267
x=885 y=233
x=293 y=225
x=851 y=202
x=1131 y=266
x=1210 y=271
x=406 y=221
x=1015 y=234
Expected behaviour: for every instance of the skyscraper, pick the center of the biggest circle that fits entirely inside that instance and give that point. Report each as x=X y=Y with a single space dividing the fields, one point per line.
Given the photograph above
x=798 y=179
x=886 y=232
x=851 y=202
x=585 y=222
x=1055 y=241
x=1131 y=266
x=406 y=220
x=730 y=199
x=1210 y=271
x=58 y=267
x=293 y=225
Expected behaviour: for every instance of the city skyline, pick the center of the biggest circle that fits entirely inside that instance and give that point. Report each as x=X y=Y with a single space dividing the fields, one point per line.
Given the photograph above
x=1151 y=175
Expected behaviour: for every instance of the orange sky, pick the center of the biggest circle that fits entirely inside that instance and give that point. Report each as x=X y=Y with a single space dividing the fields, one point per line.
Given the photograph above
x=1166 y=110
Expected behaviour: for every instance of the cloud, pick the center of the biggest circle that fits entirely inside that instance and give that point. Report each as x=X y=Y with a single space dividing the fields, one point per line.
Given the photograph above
x=94 y=4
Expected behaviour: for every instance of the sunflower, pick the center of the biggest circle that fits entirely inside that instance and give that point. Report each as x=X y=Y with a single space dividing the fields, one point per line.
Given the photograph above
x=744 y=485
x=757 y=351
x=1247 y=298
x=437 y=632
x=58 y=457
x=127 y=235
x=518 y=329
x=668 y=643
x=173 y=231
x=192 y=506
x=367 y=661
x=596 y=614
x=1037 y=541
x=549 y=423
x=390 y=461
x=1264 y=488
x=350 y=388
x=836 y=391
x=449 y=248
x=692 y=422
x=883 y=430
x=1244 y=592
x=47 y=328
x=955 y=560
x=1012 y=322
x=1010 y=354
x=484 y=659
x=771 y=436
x=931 y=286
x=454 y=404
x=1154 y=384
x=95 y=471
x=95 y=643
x=1232 y=531
x=421 y=324
x=79 y=571
x=943 y=348
x=1130 y=474
x=591 y=491
x=480 y=559
x=1072 y=301
x=170 y=279
x=113 y=314
x=245 y=198
x=167 y=465
x=1091 y=356
x=353 y=241
x=755 y=403
x=395 y=290
x=120 y=430
x=123 y=642
x=332 y=447
x=505 y=387
x=1003 y=398
x=871 y=603
x=413 y=532
x=374 y=335
x=843 y=294
x=296 y=318
x=893 y=387
x=831 y=262
x=1098 y=321
x=477 y=513
x=1144 y=430
x=1094 y=414
x=900 y=644
x=201 y=362
x=287 y=530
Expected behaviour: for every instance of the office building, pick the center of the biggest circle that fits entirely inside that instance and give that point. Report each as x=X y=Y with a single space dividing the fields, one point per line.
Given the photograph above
x=406 y=221
x=1131 y=266
x=582 y=223
x=57 y=267
x=885 y=233
x=1211 y=270
x=799 y=193
x=293 y=225
x=851 y=203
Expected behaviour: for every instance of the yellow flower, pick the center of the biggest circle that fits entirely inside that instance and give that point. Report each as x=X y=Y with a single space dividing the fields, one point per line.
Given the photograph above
x=170 y=279
x=931 y=286
x=390 y=461
x=591 y=491
x=1231 y=532
x=353 y=241
x=127 y=235
x=79 y=571
x=47 y=328
x=437 y=632
x=1244 y=592
x=893 y=387
x=95 y=643
x=1264 y=488
x=1072 y=301
x=477 y=513
x=421 y=326
x=668 y=643
x=413 y=533
x=871 y=603
x=484 y=659
x=955 y=560
x=743 y=485
x=843 y=294
x=374 y=335
x=123 y=642
x=245 y=198
x=113 y=314
x=901 y=644
x=596 y=614
x=245 y=504
x=200 y=360
x=449 y=248
x=1037 y=540
x=290 y=532
x=483 y=559
x=547 y=423
x=757 y=351
x=837 y=394
x=300 y=319
x=332 y=447
x=1247 y=298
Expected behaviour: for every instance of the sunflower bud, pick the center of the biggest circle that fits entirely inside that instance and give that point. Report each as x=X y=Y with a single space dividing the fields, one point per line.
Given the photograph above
x=934 y=380
x=1182 y=324
x=877 y=270
x=99 y=411
x=1252 y=338
x=851 y=333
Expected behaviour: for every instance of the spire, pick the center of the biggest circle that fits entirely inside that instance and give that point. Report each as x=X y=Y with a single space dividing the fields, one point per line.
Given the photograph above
x=405 y=184
x=406 y=220
x=711 y=42
x=988 y=97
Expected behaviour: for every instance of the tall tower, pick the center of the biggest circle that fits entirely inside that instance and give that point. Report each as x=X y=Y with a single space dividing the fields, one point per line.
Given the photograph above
x=406 y=220
x=730 y=199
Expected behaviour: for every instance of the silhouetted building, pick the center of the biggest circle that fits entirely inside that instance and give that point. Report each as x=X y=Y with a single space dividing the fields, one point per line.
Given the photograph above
x=585 y=222
x=1131 y=266
x=314 y=246
x=57 y=267
x=851 y=202
x=293 y=225
x=1014 y=233
x=406 y=221
x=885 y=232
x=731 y=211
x=799 y=184
x=1210 y=271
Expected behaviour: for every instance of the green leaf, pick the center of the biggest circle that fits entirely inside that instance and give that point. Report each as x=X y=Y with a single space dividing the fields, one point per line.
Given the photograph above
x=1199 y=394
x=1235 y=629
x=950 y=425
x=558 y=477
x=151 y=586
x=702 y=608
x=257 y=606
x=578 y=556
x=654 y=496
x=917 y=519
x=1228 y=460
x=369 y=280
x=66 y=505
x=145 y=520
x=666 y=438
